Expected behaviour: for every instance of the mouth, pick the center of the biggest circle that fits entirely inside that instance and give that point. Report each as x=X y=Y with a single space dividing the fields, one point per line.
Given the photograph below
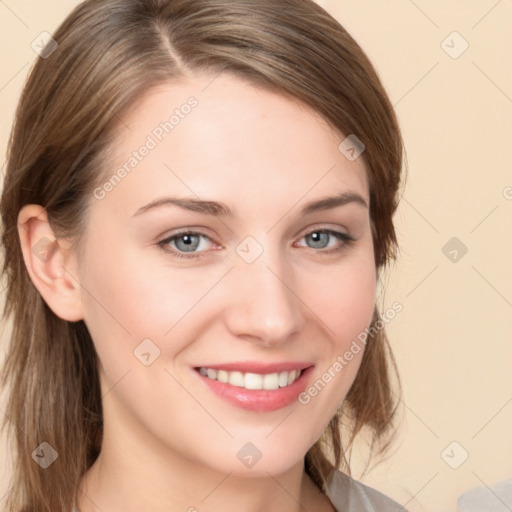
x=256 y=387
x=268 y=381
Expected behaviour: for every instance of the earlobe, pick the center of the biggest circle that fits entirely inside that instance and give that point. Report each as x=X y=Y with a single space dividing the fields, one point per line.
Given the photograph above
x=50 y=264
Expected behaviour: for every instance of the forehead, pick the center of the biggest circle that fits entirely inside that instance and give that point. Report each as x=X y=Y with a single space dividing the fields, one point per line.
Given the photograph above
x=226 y=139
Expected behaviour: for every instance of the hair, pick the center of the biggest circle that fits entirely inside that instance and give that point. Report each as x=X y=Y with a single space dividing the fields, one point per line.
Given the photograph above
x=67 y=119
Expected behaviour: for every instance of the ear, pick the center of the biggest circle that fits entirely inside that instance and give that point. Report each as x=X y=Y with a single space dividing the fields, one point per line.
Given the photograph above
x=51 y=265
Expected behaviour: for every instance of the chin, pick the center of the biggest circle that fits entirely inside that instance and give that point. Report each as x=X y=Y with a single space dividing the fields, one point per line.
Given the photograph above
x=257 y=457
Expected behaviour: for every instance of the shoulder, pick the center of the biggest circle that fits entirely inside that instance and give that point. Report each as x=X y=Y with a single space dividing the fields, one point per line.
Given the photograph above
x=349 y=495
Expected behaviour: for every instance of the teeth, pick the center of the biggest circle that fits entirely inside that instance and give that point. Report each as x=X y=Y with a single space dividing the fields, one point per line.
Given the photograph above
x=236 y=379
x=222 y=376
x=283 y=379
x=253 y=381
x=271 y=381
x=268 y=381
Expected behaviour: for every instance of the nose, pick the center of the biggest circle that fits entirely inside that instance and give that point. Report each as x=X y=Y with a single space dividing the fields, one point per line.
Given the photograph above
x=263 y=305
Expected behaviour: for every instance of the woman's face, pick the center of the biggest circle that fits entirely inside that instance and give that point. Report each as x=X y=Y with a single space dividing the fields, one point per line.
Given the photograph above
x=260 y=286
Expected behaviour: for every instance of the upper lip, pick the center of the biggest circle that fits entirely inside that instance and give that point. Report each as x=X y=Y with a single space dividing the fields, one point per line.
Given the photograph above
x=259 y=368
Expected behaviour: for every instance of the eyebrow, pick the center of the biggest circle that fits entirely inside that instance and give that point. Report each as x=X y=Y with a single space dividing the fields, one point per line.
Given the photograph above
x=219 y=209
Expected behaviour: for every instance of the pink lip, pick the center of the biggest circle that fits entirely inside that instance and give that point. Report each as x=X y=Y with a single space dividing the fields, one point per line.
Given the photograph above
x=257 y=400
x=260 y=368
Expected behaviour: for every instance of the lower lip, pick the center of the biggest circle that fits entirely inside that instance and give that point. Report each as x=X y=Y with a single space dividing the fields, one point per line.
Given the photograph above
x=259 y=400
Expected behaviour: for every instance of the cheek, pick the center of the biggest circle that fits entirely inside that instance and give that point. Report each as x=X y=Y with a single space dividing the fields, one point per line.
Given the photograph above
x=344 y=301
x=128 y=298
x=344 y=296
x=350 y=303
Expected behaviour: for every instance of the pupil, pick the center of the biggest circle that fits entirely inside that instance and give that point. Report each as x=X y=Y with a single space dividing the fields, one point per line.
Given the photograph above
x=187 y=242
x=316 y=239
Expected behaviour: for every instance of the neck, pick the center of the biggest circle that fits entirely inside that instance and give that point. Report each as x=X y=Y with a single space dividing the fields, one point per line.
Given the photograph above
x=134 y=472
x=114 y=484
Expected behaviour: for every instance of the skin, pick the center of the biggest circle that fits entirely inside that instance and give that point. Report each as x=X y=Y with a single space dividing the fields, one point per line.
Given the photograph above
x=170 y=444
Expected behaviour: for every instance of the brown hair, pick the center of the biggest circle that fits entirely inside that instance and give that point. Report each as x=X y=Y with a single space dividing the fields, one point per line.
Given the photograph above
x=109 y=53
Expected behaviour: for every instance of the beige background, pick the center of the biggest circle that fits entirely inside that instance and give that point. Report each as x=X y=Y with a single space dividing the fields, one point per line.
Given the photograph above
x=453 y=337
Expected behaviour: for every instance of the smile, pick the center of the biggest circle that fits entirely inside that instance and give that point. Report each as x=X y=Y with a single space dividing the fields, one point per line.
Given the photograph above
x=269 y=381
x=256 y=386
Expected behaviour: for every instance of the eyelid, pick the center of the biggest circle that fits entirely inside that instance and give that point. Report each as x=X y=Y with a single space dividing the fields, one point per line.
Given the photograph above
x=326 y=227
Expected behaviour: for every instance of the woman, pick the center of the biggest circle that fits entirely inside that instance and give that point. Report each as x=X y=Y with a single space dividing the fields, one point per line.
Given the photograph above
x=197 y=205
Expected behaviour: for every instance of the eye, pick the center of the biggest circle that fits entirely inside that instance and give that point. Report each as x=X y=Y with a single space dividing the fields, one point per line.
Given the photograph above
x=329 y=239
x=192 y=244
x=186 y=244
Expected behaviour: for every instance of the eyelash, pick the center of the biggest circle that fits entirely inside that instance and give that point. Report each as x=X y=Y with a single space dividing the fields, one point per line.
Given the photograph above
x=343 y=237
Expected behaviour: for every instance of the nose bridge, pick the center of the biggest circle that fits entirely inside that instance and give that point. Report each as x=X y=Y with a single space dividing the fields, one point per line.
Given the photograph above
x=263 y=304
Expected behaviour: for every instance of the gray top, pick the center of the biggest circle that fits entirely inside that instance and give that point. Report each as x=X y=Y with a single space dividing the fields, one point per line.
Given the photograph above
x=348 y=495
x=497 y=498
